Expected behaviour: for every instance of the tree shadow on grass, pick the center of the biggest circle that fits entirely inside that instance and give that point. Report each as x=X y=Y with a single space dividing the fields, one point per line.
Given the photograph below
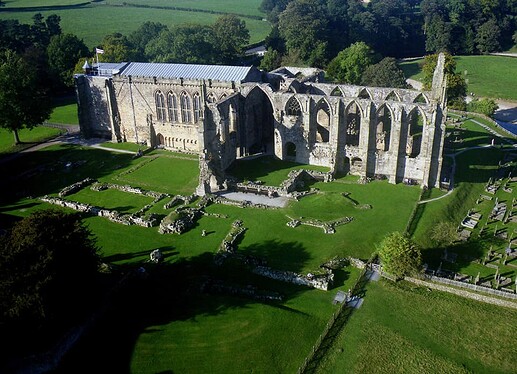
x=166 y=252
x=167 y=292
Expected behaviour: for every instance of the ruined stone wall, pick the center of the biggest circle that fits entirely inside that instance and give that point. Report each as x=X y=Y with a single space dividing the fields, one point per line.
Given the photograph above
x=93 y=106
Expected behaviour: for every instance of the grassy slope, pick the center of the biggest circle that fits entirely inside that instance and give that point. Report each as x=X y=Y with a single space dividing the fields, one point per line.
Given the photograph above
x=93 y=22
x=488 y=76
x=29 y=137
x=412 y=330
x=65 y=114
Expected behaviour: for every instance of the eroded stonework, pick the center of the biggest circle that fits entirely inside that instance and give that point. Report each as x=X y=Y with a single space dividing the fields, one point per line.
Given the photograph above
x=225 y=113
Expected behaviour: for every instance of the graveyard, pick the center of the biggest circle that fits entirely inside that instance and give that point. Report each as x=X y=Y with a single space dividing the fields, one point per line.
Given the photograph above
x=249 y=286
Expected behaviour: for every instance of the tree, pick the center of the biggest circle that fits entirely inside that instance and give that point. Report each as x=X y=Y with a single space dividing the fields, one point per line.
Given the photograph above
x=230 y=37
x=117 y=48
x=185 y=44
x=349 y=65
x=47 y=263
x=438 y=36
x=63 y=52
x=444 y=233
x=399 y=255
x=24 y=99
x=271 y=60
x=487 y=38
x=144 y=34
x=304 y=25
x=386 y=73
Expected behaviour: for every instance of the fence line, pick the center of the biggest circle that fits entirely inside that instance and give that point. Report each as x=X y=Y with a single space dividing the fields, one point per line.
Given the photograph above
x=359 y=283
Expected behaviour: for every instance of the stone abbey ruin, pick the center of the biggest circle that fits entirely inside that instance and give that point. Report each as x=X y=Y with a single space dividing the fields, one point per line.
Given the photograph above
x=227 y=112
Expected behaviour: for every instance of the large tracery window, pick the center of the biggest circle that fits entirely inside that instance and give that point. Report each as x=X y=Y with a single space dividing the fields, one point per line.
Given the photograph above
x=292 y=107
x=172 y=106
x=160 y=106
x=197 y=107
x=185 y=108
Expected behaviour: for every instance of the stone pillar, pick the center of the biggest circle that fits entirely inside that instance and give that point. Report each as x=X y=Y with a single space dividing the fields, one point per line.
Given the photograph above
x=334 y=161
x=426 y=148
x=364 y=136
x=396 y=132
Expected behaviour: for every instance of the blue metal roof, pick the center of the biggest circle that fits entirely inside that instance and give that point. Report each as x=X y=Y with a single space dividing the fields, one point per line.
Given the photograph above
x=188 y=71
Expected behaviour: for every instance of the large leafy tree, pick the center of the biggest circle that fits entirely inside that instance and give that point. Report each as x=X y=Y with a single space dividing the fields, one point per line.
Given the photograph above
x=399 y=255
x=24 y=98
x=63 y=52
x=47 y=263
x=487 y=37
x=117 y=48
x=350 y=64
x=185 y=44
x=230 y=37
x=304 y=25
x=386 y=73
x=144 y=34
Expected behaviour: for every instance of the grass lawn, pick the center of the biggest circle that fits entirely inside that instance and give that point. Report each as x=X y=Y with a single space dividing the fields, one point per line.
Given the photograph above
x=65 y=114
x=405 y=329
x=122 y=202
x=27 y=137
x=488 y=76
x=166 y=322
x=269 y=170
x=165 y=174
x=92 y=22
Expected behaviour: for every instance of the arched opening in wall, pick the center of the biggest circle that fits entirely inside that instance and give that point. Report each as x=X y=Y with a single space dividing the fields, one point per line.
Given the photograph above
x=211 y=98
x=293 y=107
x=364 y=94
x=346 y=165
x=160 y=106
x=290 y=151
x=353 y=124
x=322 y=122
x=421 y=99
x=198 y=113
x=336 y=92
x=172 y=107
x=186 y=116
x=383 y=129
x=415 y=132
x=258 y=133
x=160 y=140
x=232 y=124
x=355 y=165
x=392 y=96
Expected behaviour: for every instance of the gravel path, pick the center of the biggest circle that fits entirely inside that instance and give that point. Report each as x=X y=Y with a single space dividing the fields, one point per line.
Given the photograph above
x=278 y=202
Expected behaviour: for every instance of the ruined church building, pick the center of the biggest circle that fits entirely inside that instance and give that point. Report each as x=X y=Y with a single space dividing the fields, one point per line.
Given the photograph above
x=226 y=112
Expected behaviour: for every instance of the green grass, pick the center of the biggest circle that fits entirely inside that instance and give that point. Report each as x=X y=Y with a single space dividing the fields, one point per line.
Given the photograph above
x=122 y=202
x=247 y=7
x=64 y=114
x=165 y=174
x=171 y=325
x=124 y=146
x=269 y=170
x=91 y=23
x=488 y=76
x=40 y=3
x=27 y=137
x=404 y=329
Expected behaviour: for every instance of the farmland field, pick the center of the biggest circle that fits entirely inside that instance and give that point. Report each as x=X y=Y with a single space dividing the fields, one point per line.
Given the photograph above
x=92 y=22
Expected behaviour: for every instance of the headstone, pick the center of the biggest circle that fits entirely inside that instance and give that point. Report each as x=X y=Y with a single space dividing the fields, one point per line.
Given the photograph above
x=156 y=256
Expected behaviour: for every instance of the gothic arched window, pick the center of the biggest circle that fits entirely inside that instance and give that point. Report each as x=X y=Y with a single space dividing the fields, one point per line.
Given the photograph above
x=172 y=106
x=197 y=107
x=160 y=106
x=292 y=107
x=185 y=108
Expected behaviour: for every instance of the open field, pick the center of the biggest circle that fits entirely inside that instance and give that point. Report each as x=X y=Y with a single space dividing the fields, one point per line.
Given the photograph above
x=93 y=21
x=487 y=76
x=405 y=329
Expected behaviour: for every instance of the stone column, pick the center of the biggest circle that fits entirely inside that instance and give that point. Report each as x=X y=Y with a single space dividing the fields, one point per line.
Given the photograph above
x=396 y=131
x=334 y=161
x=364 y=136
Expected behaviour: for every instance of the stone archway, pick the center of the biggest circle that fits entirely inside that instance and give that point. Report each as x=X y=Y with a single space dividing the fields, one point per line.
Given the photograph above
x=290 y=151
x=258 y=134
x=160 y=140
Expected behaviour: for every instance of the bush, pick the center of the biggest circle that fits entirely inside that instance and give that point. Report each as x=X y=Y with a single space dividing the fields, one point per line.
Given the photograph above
x=483 y=106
